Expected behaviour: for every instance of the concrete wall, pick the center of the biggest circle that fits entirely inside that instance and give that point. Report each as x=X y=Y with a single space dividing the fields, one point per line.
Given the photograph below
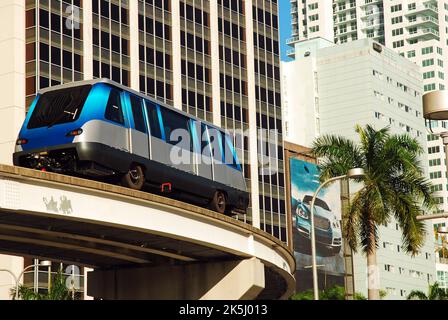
x=15 y=265
x=12 y=104
x=12 y=75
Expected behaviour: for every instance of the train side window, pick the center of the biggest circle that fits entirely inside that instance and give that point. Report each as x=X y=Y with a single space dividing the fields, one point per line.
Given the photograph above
x=175 y=121
x=137 y=113
x=114 y=110
x=153 y=118
x=230 y=157
x=205 y=145
x=215 y=143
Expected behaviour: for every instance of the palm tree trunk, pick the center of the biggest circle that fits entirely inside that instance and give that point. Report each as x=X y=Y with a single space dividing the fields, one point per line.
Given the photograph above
x=372 y=267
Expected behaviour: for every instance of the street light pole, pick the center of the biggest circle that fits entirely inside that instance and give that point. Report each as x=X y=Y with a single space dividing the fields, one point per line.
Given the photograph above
x=352 y=173
x=13 y=275
x=313 y=236
x=17 y=279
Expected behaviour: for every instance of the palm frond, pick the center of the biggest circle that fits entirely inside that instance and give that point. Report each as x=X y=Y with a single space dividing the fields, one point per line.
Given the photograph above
x=395 y=185
x=336 y=155
x=417 y=295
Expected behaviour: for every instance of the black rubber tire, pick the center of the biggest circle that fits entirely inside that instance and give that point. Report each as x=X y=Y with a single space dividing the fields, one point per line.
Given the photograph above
x=219 y=202
x=134 y=178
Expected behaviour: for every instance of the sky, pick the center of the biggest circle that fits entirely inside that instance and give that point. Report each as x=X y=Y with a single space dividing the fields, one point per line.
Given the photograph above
x=285 y=27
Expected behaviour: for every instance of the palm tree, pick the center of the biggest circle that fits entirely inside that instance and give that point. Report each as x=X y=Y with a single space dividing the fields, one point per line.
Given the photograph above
x=434 y=293
x=394 y=186
x=58 y=291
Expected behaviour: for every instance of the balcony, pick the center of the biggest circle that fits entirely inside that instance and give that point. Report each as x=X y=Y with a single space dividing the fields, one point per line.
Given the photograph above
x=292 y=40
x=347 y=31
x=424 y=34
x=424 y=8
x=337 y=9
x=372 y=15
x=291 y=53
x=372 y=3
x=347 y=19
x=427 y=21
x=376 y=24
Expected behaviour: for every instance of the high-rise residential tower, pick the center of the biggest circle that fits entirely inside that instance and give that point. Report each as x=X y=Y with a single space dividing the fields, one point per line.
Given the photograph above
x=328 y=89
x=218 y=60
x=416 y=29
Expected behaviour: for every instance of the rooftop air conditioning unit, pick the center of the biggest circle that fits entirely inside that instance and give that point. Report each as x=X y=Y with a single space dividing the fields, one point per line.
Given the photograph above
x=377 y=47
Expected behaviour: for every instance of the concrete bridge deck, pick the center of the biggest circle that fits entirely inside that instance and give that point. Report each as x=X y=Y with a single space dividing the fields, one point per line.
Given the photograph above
x=133 y=235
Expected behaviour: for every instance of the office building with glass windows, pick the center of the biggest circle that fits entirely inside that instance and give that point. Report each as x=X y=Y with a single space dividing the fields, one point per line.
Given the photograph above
x=217 y=60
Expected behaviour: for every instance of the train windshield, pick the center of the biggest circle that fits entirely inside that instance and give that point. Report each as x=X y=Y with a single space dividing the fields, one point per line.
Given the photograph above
x=59 y=106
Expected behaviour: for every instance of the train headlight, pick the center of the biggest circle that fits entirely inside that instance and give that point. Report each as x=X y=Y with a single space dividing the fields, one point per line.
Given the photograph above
x=21 y=141
x=74 y=133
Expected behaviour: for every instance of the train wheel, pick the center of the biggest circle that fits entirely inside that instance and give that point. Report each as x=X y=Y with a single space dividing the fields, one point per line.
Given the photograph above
x=218 y=202
x=134 y=178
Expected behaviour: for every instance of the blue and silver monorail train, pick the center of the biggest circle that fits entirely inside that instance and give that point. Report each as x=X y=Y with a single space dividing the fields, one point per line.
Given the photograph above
x=102 y=129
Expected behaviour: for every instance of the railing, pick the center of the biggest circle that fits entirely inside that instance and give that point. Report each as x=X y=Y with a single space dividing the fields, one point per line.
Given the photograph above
x=424 y=6
x=43 y=280
x=291 y=52
x=292 y=39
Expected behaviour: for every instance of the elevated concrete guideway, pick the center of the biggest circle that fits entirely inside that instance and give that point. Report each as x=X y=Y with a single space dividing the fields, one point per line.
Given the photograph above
x=141 y=246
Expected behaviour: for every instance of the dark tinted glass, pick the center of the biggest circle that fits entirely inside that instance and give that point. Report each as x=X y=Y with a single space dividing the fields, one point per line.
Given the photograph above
x=174 y=121
x=59 y=106
x=137 y=113
x=114 y=111
x=154 y=124
x=229 y=157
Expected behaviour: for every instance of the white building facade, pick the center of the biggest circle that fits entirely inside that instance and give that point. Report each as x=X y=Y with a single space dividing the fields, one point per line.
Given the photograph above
x=328 y=89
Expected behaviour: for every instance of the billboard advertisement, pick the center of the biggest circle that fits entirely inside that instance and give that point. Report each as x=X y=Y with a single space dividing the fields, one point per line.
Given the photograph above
x=327 y=220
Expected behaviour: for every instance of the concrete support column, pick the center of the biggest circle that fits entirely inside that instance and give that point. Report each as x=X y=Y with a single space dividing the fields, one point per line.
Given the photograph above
x=214 y=36
x=177 y=54
x=12 y=75
x=229 y=280
x=87 y=33
x=86 y=271
x=134 y=44
x=253 y=132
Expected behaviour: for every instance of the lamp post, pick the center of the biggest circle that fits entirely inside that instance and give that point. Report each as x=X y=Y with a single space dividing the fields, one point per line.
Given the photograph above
x=352 y=173
x=435 y=107
x=12 y=275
